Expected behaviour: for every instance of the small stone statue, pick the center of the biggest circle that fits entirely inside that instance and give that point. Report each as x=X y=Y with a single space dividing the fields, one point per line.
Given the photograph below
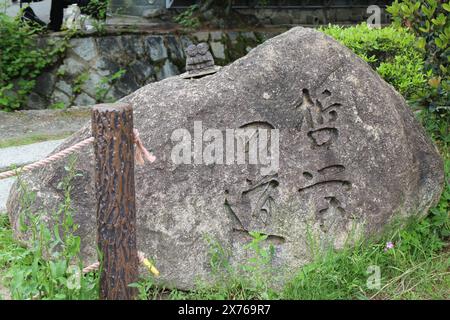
x=199 y=60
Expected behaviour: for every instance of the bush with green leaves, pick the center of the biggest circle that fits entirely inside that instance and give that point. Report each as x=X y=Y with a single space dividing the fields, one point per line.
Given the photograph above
x=23 y=57
x=391 y=51
x=96 y=9
x=105 y=86
x=187 y=18
x=48 y=264
x=429 y=21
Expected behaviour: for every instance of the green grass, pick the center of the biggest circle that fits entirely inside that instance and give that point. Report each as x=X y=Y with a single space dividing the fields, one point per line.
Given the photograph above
x=14 y=142
x=49 y=267
x=10 y=250
x=418 y=267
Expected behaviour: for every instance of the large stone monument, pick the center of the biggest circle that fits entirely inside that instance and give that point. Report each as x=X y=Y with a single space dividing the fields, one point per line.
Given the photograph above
x=345 y=156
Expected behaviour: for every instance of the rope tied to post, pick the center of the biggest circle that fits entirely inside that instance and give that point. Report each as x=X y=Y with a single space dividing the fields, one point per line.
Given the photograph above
x=141 y=154
x=142 y=260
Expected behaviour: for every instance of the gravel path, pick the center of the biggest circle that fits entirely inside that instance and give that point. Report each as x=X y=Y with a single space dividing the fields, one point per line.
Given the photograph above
x=15 y=126
x=19 y=156
x=26 y=154
x=29 y=123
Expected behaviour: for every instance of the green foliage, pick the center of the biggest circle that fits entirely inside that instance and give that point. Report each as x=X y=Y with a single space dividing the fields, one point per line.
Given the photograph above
x=58 y=105
x=429 y=21
x=105 y=85
x=262 y=256
x=49 y=267
x=250 y=280
x=22 y=60
x=96 y=9
x=391 y=51
x=187 y=18
x=219 y=256
x=31 y=138
x=437 y=125
x=412 y=269
x=79 y=81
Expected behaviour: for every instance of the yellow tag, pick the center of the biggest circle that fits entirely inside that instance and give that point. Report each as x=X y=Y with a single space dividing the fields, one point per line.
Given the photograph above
x=151 y=267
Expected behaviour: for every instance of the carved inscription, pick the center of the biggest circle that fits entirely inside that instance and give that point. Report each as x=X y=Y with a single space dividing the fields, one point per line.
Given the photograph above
x=259 y=199
x=317 y=118
x=253 y=203
x=318 y=121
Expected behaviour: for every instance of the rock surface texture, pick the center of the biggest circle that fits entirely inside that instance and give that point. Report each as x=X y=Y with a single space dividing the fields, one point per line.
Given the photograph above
x=352 y=157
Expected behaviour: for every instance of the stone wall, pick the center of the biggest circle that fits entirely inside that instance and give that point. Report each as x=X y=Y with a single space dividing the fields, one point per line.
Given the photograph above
x=314 y=15
x=86 y=75
x=274 y=13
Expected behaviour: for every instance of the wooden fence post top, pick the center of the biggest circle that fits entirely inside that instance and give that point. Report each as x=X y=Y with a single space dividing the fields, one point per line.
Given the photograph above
x=112 y=128
x=111 y=107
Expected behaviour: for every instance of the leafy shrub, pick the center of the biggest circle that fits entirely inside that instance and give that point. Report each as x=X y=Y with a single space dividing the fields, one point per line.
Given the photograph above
x=50 y=266
x=390 y=51
x=96 y=9
x=22 y=60
x=105 y=85
x=429 y=21
x=187 y=18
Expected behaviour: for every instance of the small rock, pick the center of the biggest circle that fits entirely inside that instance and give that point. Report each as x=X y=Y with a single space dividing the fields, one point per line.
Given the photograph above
x=249 y=35
x=216 y=35
x=132 y=45
x=106 y=67
x=84 y=48
x=157 y=50
x=92 y=84
x=233 y=36
x=84 y=100
x=36 y=102
x=175 y=48
x=168 y=70
x=44 y=84
x=109 y=46
x=64 y=87
x=59 y=96
x=142 y=71
x=218 y=50
x=71 y=68
x=201 y=36
x=127 y=83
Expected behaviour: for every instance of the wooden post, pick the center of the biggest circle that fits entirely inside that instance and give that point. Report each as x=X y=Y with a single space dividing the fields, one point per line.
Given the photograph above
x=112 y=128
